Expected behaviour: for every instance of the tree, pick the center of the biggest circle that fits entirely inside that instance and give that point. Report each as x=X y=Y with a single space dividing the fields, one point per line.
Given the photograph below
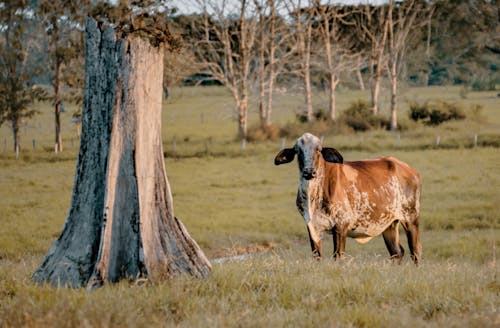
x=224 y=50
x=465 y=55
x=61 y=19
x=17 y=90
x=372 y=27
x=301 y=26
x=332 y=22
x=401 y=21
x=121 y=222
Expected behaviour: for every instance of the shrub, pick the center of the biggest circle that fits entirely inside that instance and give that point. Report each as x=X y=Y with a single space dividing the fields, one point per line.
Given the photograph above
x=483 y=84
x=359 y=117
x=258 y=133
x=319 y=115
x=435 y=113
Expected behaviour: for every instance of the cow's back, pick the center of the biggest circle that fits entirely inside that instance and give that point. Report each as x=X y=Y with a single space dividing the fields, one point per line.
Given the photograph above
x=377 y=191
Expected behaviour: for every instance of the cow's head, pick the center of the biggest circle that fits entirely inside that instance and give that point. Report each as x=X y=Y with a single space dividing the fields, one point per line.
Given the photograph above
x=309 y=151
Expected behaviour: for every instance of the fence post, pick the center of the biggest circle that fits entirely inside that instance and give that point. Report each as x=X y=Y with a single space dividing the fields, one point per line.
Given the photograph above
x=34 y=142
x=283 y=141
x=475 y=140
x=398 y=139
x=243 y=144
x=438 y=140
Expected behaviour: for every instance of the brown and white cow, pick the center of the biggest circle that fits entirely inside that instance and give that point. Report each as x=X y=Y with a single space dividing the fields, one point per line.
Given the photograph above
x=360 y=199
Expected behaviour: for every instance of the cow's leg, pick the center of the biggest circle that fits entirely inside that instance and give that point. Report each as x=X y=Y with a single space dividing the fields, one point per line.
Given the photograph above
x=315 y=244
x=391 y=239
x=339 y=240
x=412 y=235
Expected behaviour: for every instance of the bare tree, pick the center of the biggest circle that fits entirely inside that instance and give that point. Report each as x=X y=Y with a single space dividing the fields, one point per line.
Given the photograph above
x=272 y=60
x=372 y=25
x=428 y=55
x=301 y=39
x=267 y=61
x=332 y=21
x=401 y=20
x=226 y=51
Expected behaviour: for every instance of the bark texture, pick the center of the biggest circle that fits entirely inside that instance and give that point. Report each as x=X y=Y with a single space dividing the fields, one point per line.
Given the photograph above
x=121 y=221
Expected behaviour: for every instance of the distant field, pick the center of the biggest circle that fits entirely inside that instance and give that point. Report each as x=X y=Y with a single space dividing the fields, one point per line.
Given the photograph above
x=234 y=201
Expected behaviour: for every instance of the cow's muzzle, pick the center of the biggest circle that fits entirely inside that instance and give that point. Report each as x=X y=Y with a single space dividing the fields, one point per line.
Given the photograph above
x=308 y=174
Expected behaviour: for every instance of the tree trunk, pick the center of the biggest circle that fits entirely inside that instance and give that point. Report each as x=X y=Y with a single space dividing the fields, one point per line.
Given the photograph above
x=16 y=134
x=359 y=75
x=376 y=92
x=262 y=72
x=333 y=87
x=307 y=73
x=121 y=222
x=57 y=110
x=242 y=117
x=272 y=69
x=394 y=93
x=57 y=84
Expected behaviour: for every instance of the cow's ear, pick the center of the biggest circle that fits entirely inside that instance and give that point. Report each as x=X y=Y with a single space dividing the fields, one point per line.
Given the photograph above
x=284 y=156
x=332 y=155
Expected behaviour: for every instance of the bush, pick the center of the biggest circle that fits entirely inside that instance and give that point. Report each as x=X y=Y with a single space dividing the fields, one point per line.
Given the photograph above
x=435 y=113
x=319 y=115
x=483 y=84
x=359 y=117
x=258 y=133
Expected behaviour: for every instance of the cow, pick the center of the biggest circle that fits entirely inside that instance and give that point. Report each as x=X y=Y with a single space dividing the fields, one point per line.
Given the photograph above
x=359 y=199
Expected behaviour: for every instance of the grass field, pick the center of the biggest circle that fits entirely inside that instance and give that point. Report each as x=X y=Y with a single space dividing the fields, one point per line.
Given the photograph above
x=235 y=201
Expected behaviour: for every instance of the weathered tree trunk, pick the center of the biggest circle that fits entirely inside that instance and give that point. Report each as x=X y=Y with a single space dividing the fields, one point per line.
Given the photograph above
x=121 y=221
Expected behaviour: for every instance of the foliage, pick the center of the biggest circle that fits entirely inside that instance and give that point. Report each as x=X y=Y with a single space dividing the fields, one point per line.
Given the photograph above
x=430 y=113
x=359 y=117
x=488 y=83
x=465 y=42
x=147 y=19
x=17 y=90
x=319 y=115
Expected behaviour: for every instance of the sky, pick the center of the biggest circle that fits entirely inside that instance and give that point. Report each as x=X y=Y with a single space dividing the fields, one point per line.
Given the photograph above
x=193 y=6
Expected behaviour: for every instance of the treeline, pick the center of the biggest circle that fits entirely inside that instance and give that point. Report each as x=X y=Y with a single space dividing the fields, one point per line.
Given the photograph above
x=253 y=47
x=256 y=45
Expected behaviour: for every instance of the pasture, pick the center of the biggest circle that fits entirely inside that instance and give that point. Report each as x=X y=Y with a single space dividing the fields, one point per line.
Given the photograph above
x=235 y=201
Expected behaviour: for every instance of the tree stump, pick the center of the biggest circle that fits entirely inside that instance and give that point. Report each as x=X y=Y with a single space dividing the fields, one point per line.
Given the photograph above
x=121 y=221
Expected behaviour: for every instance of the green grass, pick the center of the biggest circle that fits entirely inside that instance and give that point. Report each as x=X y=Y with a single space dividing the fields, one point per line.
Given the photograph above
x=233 y=201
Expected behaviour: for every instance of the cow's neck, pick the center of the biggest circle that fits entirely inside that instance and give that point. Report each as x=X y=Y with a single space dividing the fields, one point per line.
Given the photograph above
x=310 y=193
